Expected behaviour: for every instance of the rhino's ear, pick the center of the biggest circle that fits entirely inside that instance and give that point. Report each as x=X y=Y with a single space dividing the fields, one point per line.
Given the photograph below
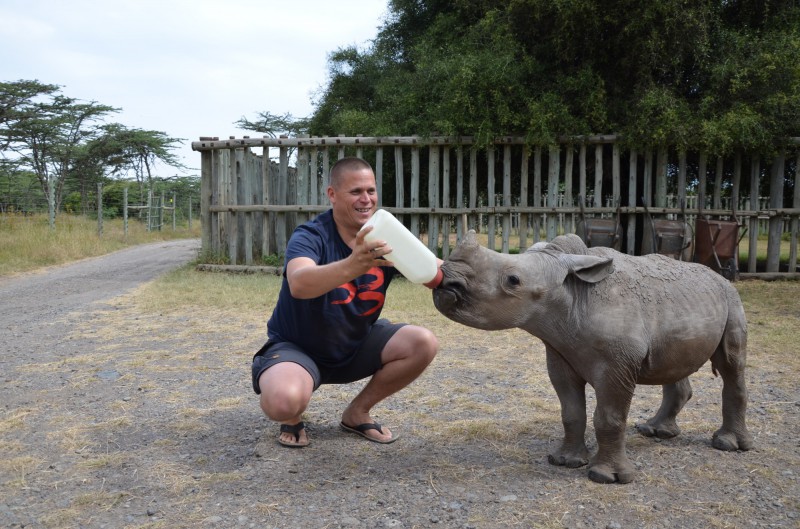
x=589 y=268
x=537 y=247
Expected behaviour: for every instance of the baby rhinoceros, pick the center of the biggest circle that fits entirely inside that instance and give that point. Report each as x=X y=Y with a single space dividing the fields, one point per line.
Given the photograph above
x=613 y=321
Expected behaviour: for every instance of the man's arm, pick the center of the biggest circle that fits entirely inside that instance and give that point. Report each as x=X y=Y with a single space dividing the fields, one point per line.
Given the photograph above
x=309 y=280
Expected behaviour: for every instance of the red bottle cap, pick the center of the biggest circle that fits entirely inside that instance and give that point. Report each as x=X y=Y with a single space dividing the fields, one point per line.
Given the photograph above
x=437 y=279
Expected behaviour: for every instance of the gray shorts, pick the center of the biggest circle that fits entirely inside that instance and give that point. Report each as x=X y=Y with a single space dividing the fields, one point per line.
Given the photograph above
x=365 y=362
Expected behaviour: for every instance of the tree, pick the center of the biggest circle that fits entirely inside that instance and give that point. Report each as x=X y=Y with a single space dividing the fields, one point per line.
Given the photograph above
x=47 y=137
x=121 y=150
x=715 y=74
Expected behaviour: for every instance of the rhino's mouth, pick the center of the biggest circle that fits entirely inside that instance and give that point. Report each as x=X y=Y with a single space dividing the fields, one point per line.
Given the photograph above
x=444 y=299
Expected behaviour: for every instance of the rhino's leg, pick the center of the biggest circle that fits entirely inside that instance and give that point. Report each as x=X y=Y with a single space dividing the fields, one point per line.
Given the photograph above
x=571 y=391
x=611 y=464
x=674 y=398
x=729 y=361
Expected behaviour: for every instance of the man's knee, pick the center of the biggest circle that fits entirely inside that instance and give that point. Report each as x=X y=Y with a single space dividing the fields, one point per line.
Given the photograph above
x=425 y=345
x=284 y=397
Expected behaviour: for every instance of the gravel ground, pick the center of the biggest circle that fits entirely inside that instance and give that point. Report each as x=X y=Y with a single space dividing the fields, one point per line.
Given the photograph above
x=113 y=416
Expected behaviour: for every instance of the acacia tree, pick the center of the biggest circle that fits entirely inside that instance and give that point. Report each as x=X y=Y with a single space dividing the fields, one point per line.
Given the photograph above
x=121 y=150
x=46 y=136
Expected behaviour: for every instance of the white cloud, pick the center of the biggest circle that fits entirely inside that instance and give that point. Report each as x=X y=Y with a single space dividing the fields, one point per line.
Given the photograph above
x=189 y=68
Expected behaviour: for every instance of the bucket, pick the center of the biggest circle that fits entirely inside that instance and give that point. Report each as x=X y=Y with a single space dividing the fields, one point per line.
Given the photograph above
x=412 y=258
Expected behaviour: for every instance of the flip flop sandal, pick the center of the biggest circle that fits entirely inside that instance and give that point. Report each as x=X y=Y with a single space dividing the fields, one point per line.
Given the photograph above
x=361 y=430
x=294 y=430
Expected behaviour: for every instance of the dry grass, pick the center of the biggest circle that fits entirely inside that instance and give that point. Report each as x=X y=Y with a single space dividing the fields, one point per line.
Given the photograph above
x=27 y=243
x=482 y=417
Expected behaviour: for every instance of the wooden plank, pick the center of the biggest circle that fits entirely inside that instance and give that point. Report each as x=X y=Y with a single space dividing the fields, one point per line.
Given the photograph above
x=661 y=177
x=233 y=221
x=681 y=178
x=506 y=196
x=433 y=196
x=460 y=227
x=718 y=176
x=266 y=248
x=752 y=257
x=399 y=188
x=647 y=179
x=537 y=191
x=362 y=141
x=616 y=175
x=282 y=199
x=776 y=222
x=415 y=189
x=632 y=173
x=523 y=198
x=568 y=198
x=379 y=174
x=473 y=186
x=598 y=176
x=795 y=224
x=206 y=159
x=490 y=192
x=553 y=174
x=446 y=202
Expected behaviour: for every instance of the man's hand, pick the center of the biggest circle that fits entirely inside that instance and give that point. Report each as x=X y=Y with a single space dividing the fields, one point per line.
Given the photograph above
x=309 y=280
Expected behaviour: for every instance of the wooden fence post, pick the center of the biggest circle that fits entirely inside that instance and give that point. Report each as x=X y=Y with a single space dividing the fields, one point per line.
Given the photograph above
x=776 y=221
x=752 y=258
x=99 y=209
x=125 y=210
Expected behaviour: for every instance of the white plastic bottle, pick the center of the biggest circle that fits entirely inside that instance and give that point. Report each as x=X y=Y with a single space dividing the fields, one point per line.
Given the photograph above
x=412 y=258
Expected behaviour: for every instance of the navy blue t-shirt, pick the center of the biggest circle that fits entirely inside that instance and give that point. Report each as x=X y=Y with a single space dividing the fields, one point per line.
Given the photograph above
x=331 y=327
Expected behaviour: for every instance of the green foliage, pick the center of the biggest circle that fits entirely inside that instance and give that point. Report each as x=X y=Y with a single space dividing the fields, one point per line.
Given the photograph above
x=716 y=75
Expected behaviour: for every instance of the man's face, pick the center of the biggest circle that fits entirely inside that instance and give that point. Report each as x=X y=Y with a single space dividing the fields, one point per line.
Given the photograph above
x=355 y=199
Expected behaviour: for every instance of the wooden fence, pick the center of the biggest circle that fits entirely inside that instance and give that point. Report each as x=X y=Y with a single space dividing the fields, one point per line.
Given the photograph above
x=442 y=186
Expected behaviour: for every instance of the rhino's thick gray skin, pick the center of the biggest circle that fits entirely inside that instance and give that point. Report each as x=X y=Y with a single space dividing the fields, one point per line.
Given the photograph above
x=613 y=321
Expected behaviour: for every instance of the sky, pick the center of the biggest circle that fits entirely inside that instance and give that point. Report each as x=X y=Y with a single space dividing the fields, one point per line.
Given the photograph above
x=188 y=68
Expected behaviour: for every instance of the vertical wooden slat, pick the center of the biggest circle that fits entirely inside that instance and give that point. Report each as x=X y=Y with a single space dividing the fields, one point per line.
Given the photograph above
x=415 y=189
x=615 y=175
x=282 y=199
x=736 y=185
x=776 y=221
x=554 y=168
x=506 y=197
x=752 y=258
x=537 y=191
x=523 y=199
x=245 y=197
x=433 y=196
x=632 y=174
x=681 y=178
x=206 y=159
x=490 y=191
x=795 y=227
x=718 y=176
x=325 y=177
x=399 y=189
x=265 y=200
x=702 y=181
x=445 y=201
x=473 y=186
x=379 y=174
x=598 y=175
x=460 y=228
x=582 y=175
x=313 y=175
x=647 y=180
x=569 y=201
x=661 y=177
x=233 y=220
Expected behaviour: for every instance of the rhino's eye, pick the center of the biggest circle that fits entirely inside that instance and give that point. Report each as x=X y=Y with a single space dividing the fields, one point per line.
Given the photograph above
x=513 y=280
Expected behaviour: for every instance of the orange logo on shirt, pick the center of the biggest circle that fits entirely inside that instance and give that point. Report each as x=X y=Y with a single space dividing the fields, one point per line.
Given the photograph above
x=366 y=292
